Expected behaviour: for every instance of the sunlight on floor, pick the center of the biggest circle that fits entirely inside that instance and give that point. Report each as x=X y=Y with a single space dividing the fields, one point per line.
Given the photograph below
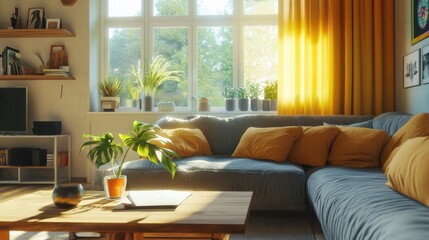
x=21 y=235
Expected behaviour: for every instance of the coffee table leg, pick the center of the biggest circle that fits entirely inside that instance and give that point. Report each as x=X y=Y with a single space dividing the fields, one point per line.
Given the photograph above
x=4 y=235
x=123 y=236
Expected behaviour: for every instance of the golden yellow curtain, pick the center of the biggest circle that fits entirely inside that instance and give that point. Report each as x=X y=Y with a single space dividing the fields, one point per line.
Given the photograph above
x=336 y=57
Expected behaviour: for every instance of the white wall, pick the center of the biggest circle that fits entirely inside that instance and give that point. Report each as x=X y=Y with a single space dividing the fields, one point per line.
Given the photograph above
x=45 y=101
x=414 y=99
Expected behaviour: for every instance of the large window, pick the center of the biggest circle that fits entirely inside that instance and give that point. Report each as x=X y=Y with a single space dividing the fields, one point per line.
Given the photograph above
x=214 y=43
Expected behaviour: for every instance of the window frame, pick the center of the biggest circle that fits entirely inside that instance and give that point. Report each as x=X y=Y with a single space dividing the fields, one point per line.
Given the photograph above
x=147 y=22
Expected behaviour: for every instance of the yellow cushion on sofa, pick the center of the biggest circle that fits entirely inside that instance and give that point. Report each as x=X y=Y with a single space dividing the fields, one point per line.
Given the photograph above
x=408 y=170
x=312 y=148
x=273 y=143
x=357 y=147
x=186 y=142
x=417 y=126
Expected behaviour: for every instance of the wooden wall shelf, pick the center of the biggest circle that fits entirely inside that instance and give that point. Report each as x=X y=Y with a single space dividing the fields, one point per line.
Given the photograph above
x=35 y=33
x=35 y=77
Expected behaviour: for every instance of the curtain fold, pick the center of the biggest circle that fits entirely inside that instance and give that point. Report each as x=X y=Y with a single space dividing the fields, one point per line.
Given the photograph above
x=336 y=57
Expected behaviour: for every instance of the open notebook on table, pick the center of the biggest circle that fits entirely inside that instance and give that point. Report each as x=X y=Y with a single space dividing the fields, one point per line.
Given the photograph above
x=154 y=199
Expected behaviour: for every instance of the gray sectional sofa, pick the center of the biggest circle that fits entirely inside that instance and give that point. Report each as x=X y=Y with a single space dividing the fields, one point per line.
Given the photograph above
x=349 y=203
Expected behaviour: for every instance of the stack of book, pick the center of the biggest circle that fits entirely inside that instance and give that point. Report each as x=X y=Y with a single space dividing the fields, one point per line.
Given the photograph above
x=10 y=62
x=50 y=159
x=55 y=72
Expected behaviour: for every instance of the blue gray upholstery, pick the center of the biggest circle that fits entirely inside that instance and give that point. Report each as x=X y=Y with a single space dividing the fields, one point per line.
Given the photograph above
x=356 y=204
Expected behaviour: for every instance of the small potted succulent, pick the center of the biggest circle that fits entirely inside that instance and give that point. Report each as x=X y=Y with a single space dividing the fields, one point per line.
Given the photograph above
x=141 y=139
x=254 y=93
x=229 y=93
x=243 y=99
x=109 y=90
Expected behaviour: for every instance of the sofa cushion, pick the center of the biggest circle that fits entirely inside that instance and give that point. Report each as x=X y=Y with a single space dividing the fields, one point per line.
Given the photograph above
x=320 y=139
x=186 y=142
x=223 y=134
x=275 y=185
x=391 y=122
x=272 y=143
x=408 y=170
x=355 y=203
x=357 y=147
x=417 y=126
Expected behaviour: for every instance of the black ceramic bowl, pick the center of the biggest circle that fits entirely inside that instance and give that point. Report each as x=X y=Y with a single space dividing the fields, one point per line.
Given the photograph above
x=67 y=195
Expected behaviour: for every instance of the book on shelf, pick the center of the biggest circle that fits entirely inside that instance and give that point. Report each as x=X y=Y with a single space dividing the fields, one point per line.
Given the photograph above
x=154 y=199
x=55 y=72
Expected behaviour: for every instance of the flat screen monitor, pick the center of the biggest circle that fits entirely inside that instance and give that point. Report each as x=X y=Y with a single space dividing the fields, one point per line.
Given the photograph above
x=13 y=110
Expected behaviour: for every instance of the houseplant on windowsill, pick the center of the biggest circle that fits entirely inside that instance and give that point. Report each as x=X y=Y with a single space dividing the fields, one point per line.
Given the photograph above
x=109 y=90
x=140 y=139
x=229 y=93
x=155 y=74
x=254 y=93
x=270 y=96
x=243 y=99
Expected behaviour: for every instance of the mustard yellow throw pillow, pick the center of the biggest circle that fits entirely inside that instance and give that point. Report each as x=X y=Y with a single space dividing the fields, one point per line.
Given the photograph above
x=272 y=143
x=357 y=147
x=408 y=170
x=312 y=148
x=417 y=126
x=186 y=142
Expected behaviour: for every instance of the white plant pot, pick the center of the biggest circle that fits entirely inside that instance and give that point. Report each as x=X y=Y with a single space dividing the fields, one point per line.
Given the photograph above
x=109 y=104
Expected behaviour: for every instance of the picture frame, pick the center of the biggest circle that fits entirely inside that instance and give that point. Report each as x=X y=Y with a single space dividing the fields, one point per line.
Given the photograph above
x=425 y=65
x=419 y=20
x=53 y=23
x=36 y=18
x=412 y=69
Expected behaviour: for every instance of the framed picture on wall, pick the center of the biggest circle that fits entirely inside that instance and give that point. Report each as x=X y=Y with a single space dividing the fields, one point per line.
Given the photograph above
x=419 y=20
x=412 y=69
x=425 y=65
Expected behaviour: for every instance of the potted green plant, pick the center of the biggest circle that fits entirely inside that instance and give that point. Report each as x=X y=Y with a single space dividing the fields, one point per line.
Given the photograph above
x=270 y=96
x=155 y=74
x=140 y=139
x=229 y=93
x=109 y=90
x=243 y=99
x=254 y=89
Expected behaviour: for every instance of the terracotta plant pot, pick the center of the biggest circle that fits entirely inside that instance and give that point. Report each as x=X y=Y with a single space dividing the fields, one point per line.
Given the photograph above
x=114 y=187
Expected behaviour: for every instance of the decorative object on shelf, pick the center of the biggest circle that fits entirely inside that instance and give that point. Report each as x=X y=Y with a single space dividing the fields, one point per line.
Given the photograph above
x=139 y=139
x=229 y=93
x=36 y=18
x=412 y=69
x=15 y=20
x=243 y=99
x=109 y=90
x=67 y=195
x=155 y=74
x=40 y=57
x=166 y=106
x=419 y=20
x=53 y=23
x=425 y=65
x=68 y=2
x=270 y=93
x=254 y=89
x=204 y=105
x=57 y=57
x=11 y=61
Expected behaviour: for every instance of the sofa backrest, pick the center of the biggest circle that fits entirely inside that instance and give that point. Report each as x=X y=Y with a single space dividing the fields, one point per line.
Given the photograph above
x=224 y=134
x=391 y=121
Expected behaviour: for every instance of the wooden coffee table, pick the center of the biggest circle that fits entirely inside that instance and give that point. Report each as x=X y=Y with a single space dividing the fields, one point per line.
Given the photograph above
x=210 y=213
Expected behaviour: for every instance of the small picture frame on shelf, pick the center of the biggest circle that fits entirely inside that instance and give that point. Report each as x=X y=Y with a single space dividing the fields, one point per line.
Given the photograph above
x=36 y=18
x=53 y=23
x=412 y=69
x=425 y=65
